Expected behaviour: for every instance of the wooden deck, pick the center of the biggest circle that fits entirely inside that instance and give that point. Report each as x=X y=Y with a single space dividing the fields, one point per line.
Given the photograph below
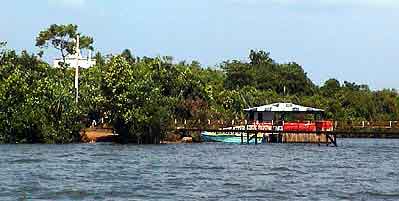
x=319 y=137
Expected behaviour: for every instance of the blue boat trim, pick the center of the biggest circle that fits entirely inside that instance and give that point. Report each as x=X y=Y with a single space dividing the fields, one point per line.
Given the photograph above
x=226 y=138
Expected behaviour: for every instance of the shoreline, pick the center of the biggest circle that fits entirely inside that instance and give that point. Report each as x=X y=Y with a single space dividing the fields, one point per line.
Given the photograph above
x=94 y=135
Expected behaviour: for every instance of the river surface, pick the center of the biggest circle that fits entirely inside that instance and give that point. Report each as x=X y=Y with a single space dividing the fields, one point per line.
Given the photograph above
x=359 y=169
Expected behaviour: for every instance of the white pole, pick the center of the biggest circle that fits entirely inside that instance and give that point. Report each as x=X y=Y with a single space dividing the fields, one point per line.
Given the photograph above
x=77 y=57
x=77 y=82
x=285 y=91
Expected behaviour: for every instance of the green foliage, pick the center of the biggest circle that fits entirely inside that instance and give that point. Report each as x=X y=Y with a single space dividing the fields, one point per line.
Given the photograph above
x=265 y=74
x=127 y=54
x=135 y=98
x=2 y=44
x=36 y=104
x=100 y=60
x=141 y=97
x=92 y=102
x=330 y=88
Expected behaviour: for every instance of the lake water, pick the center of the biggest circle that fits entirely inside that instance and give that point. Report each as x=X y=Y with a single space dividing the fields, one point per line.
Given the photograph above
x=359 y=169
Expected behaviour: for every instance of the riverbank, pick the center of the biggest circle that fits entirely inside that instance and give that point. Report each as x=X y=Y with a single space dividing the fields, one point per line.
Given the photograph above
x=92 y=135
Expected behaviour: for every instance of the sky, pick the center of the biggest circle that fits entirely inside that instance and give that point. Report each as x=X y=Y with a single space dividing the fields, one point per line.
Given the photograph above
x=353 y=40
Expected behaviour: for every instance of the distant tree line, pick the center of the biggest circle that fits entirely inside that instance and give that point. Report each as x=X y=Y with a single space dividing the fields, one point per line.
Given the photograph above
x=140 y=97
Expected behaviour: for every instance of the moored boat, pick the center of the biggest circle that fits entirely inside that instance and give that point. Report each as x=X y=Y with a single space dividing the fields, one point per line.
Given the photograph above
x=229 y=137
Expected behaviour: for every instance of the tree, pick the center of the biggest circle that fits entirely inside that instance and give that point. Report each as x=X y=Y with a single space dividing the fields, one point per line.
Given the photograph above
x=92 y=103
x=238 y=74
x=3 y=44
x=134 y=99
x=259 y=57
x=2 y=50
x=265 y=74
x=293 y=78
x=36 y=105
x=330 y=87
x=62 y=38
x=100 y=60
x=127 y=54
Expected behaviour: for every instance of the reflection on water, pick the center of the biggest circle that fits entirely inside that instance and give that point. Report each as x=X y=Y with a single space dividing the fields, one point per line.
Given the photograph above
x=360 y=169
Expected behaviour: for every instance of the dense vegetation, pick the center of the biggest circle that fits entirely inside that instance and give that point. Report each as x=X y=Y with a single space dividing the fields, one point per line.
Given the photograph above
x=141 y=97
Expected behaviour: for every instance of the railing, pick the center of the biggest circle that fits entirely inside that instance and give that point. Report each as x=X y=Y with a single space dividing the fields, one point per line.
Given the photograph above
x=330 y=129
x=366 y=125
x=291 y=125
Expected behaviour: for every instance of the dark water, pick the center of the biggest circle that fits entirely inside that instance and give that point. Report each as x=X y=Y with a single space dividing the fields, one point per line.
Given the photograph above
x=360 y=169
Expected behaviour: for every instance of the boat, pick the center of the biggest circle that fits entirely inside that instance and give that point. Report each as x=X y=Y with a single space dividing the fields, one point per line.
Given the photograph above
x=226 y=136
x=229 y=138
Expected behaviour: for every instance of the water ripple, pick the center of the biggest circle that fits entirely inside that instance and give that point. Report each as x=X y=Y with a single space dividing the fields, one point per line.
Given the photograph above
x=360 y=169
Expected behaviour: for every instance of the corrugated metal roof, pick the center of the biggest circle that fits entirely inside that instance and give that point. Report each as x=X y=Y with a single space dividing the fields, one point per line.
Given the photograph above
x=283 y=107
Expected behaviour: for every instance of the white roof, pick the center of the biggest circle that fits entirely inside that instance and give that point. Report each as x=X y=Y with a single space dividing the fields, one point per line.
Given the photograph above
x=76 y=59
x=73 y=62
x=283 y=107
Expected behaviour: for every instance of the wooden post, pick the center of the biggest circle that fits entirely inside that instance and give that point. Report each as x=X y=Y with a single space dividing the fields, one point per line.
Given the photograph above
x=327 y=136
x=256 y=134
x=318 y=139
x=256 y=138
x=335 y=138
x=246 y=130
x=242 y=138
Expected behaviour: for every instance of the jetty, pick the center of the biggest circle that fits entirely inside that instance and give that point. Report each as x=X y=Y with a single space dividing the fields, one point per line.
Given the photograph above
x=273 y=123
